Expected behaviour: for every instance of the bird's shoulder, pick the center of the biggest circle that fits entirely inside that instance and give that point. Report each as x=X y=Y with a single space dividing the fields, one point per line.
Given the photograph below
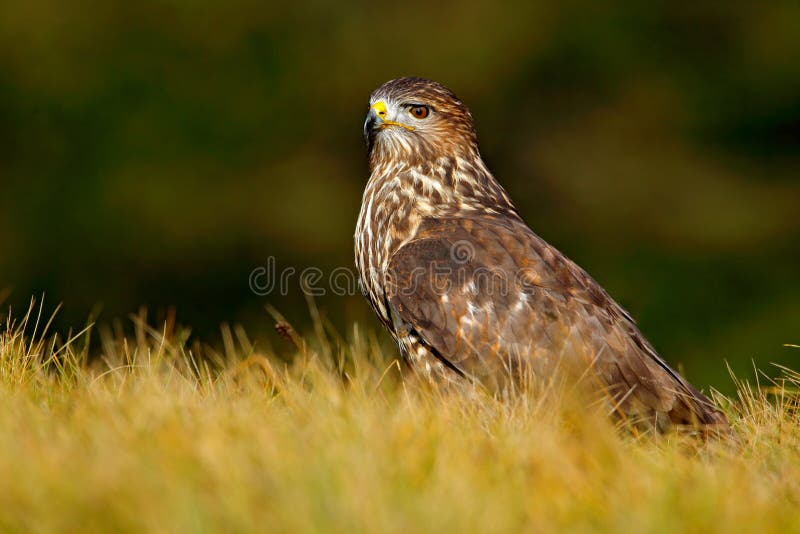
x=498 y=248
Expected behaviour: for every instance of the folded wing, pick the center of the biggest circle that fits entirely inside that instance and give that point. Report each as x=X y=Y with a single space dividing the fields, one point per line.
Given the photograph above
x=490 y=298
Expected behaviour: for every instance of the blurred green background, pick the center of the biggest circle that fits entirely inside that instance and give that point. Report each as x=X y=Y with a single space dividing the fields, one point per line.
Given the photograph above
x=156 y=153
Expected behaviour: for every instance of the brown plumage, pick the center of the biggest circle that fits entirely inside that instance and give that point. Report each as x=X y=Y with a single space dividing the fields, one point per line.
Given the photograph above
x=469 y=291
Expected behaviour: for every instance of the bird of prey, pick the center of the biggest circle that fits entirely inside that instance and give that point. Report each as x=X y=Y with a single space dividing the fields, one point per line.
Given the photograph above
x=470 y=292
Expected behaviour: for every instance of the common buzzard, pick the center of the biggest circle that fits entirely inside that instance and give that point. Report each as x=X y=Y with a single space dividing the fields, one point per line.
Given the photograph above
x=469 y=292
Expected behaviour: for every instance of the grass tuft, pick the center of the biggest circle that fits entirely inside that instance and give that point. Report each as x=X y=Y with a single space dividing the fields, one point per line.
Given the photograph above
x=154 y=433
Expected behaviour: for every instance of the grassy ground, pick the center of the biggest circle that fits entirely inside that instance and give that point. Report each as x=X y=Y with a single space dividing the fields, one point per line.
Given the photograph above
x=156 y=436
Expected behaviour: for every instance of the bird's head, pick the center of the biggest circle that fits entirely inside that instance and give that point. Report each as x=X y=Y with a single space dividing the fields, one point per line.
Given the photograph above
x=418 y=120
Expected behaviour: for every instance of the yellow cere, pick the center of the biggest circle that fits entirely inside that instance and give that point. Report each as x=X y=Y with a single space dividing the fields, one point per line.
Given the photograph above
x=380 y=108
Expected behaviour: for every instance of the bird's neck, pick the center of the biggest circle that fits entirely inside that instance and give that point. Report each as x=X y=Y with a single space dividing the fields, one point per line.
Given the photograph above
x=400 y=196
x=445 y=186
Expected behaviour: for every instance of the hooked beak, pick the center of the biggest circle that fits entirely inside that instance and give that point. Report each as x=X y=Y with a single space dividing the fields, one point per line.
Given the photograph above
x=376 y=120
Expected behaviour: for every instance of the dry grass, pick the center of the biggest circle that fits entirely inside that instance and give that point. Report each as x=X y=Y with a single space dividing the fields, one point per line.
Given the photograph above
x=153 y=436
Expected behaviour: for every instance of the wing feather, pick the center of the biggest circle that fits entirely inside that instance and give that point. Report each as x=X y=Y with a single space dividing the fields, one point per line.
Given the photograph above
x=487 y=293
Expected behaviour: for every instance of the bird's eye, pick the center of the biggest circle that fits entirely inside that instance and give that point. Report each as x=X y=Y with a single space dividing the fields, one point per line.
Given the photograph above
x=419 y=112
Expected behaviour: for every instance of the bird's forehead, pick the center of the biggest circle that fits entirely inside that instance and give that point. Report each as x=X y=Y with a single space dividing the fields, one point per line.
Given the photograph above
x=412 y=90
